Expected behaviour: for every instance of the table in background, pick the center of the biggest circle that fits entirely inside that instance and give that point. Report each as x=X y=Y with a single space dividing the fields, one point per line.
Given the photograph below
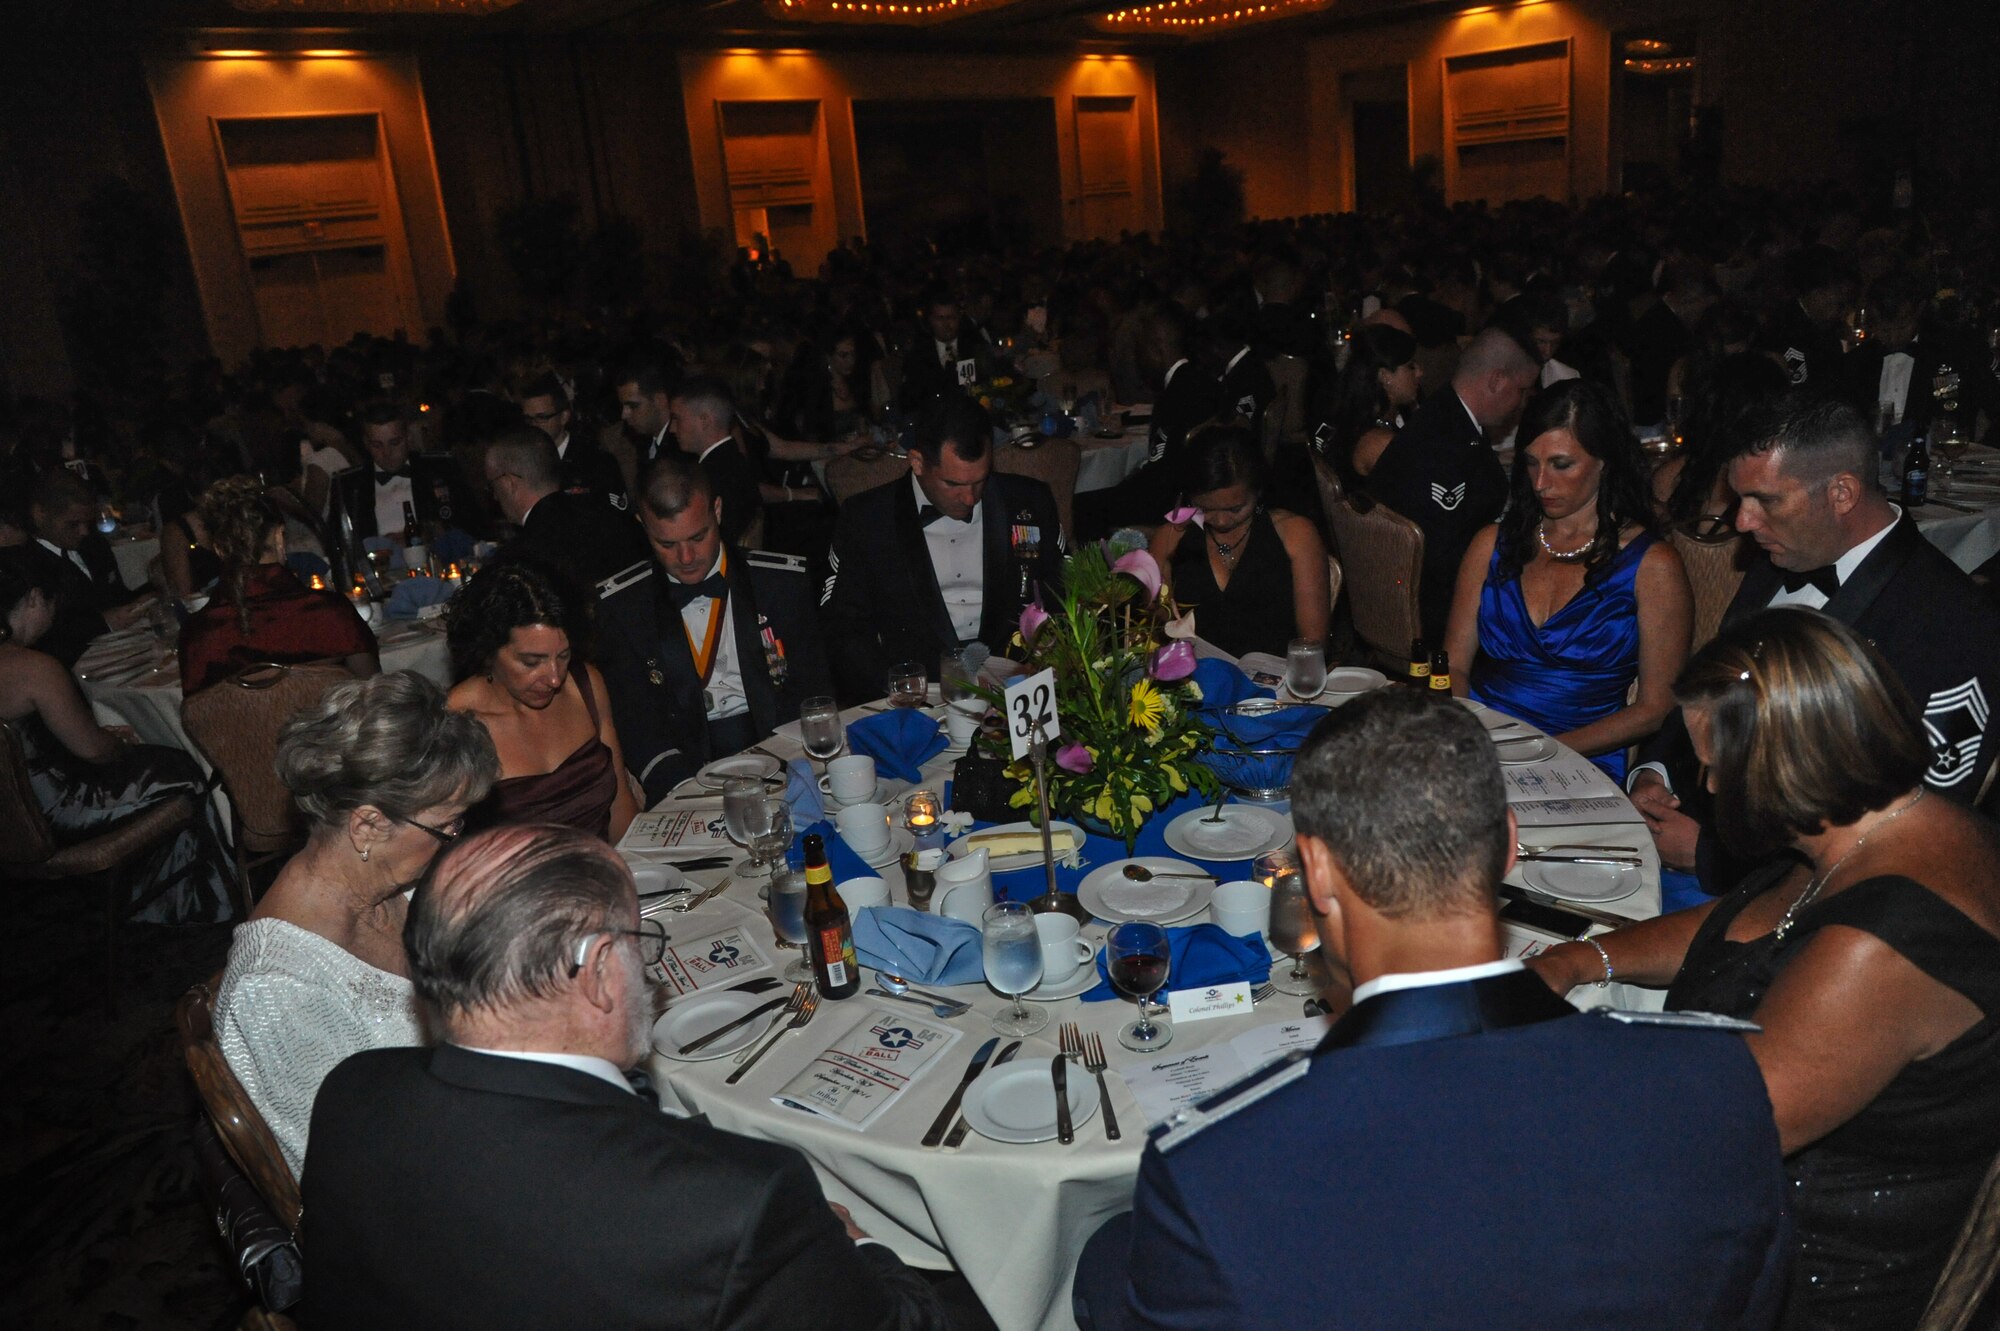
x=135 y=553
x=1106 y=462
x=1010 y=1218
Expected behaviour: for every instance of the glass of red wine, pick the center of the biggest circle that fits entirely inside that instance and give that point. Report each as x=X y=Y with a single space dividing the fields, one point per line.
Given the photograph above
x=1138 y=956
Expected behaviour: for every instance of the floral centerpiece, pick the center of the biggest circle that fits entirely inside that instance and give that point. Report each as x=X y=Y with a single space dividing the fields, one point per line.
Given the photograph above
x=1007 y=397
x=1124 y=694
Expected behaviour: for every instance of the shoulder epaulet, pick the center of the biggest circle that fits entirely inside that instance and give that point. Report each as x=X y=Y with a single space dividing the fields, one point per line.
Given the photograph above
x=624 y=578
x=1191 y=1120
x=774 y=560
x=1689 y=1021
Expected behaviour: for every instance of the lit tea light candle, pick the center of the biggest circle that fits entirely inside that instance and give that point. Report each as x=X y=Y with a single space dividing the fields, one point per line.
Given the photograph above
x=921 y=810
x=318 y=583
x=453 y=576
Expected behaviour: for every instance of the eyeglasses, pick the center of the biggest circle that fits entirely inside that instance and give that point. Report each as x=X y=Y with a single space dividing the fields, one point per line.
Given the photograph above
x=445 y=835
x=652 y=936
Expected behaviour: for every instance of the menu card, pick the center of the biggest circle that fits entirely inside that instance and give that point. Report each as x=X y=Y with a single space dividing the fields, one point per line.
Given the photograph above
x=683 y=829
x=1164 y=1085
x=721 y=956
x=865 y=1071
x=1559 y=778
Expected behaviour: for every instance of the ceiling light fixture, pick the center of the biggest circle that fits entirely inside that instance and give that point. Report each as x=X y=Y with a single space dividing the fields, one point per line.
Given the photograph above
x=1190 y=16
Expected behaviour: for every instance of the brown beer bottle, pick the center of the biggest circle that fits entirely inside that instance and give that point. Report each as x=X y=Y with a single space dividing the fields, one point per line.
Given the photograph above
x=1418 y=676
x=1440 y=680
x=829 y=934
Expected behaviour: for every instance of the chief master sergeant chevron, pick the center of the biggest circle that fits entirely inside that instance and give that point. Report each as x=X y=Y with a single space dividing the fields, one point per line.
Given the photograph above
x=709 y=651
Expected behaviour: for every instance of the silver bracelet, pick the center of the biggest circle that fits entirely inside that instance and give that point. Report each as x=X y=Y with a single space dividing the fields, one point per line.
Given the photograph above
x=1603 y=956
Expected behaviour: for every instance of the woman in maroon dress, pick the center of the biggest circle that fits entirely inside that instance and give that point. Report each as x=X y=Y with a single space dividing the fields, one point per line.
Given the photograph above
x=548 y=713
x=259 y=611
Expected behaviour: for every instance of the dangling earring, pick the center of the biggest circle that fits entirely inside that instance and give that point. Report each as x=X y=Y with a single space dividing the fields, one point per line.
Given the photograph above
x=364 y=854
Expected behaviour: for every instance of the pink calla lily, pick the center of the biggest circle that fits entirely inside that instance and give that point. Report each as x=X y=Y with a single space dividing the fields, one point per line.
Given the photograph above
x=1186 y=513
x=1074 y=758
x=1032 y=619
x=1143 y=569
x=1172 y=663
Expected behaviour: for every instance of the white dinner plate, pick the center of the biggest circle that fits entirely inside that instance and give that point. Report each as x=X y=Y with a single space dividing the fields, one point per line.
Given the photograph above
x=1582 y=882
x=721 y=770
x=900 y=841
x=698 y=1014
x=1526 y=749
x=1244 y=833
x=1027 y=859
x=654 y=880
x=1106 y=893
x=1354 y=679
x=1083 y=979
x=1016 y=1102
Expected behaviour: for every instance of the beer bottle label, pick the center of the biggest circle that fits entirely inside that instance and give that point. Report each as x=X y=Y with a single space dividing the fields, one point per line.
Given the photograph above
x=1440 y=683
x=838 y=954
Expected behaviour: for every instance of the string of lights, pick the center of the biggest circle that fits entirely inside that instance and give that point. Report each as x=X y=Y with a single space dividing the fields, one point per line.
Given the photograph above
x=1182 y=15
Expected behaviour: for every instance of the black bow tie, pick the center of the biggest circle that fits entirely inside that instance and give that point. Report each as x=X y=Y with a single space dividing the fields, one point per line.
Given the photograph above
x=714 y=586
x=1824 y=577
x=928 y=513
x=384 y=477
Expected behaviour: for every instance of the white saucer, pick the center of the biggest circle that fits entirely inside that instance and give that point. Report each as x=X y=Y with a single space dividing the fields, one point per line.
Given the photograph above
x=1107 y=894
x=1527 y=749
x=1016 y=1102
x=698 y=1014
x=1353 y=679
x=900 y=841
x=1082 y=980
x=880 y=795
x=1245 y=832
x=1582 y=882
x=715 y=774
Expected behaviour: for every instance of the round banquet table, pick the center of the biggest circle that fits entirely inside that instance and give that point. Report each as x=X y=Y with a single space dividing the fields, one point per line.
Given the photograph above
x=1011 y=1218
x=1965 y=522
x=1106 y=462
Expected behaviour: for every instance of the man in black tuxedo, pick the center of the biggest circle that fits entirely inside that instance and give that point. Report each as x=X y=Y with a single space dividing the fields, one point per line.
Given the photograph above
x=373 y=496
x=91 y=598
x=1899 y=361
x=645 y=385
x=1831 y=541
x=1243 y=383
x=711 y=650
x=587 y=470
x=947 y=556
x=1429 y=1128
x=1440 y=471
x=582 y=536
x=1662 y=335
x=512 y=1178
x=946 y=355
x=1802 y=333
x=1184 y=398
x=702 y=415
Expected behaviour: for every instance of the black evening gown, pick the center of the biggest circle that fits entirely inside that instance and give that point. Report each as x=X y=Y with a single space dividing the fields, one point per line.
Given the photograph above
x=1254 y=612
x=1879 y=1200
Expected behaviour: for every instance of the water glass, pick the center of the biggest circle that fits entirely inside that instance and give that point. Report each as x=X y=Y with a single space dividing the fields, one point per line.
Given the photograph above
x=907 y=685
x=788 y=918
x=820 y=729
x=1305 y=669
x=1291 y=929
x=1136 y=957
x=1011 y=948
x=771 y=836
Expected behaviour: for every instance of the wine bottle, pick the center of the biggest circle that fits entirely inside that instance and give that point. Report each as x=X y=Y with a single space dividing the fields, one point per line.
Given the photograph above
x=1440 y=670
x=411 y=536
x=1419 y=673
x=829 y=934
x=1917 y=471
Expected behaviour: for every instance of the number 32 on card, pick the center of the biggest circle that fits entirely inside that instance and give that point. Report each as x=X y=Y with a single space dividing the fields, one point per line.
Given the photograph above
x=1030 y=700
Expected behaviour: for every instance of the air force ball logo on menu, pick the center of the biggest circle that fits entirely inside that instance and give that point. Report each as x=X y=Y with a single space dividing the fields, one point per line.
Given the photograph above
x=1955 y=722
x=1447 y=499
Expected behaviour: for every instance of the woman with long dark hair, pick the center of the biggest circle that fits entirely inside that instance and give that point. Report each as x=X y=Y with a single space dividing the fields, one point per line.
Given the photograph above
x=1370 y=398
x=1571 y=596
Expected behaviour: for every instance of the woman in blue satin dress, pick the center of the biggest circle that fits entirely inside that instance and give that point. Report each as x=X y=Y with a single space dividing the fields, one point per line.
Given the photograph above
x=1570 y=598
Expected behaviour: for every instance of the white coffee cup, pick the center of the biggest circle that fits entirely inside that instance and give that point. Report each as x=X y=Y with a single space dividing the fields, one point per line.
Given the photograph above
x=851 y=779
x=861 y=893
x=962 y=723
x=1062 y=950
x=864 y=827
x=1241 y=908
x=417 y=557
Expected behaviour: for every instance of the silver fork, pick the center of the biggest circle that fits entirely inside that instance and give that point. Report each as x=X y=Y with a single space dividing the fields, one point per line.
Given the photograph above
x=688 y=903
x=1094 y=1062
x=1262 y=992
x=1070 y=1037
x=799 y=1018
x=778 y=1018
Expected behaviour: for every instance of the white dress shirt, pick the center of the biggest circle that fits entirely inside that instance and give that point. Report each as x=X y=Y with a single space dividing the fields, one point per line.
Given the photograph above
x=724 y=690
x=1385 y=984
x=947 y=353
x=1811 y=597
x=958 y=557
x=1894 y=384
x=601 y=1068
x=389 y=501
x=562 y=446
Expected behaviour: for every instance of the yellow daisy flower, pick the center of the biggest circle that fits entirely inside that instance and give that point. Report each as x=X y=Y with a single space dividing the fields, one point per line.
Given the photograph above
x=1148 y=707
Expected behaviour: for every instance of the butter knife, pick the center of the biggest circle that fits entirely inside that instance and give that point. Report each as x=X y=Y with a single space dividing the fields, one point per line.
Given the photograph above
x=964 y=1124
x=702 y=1043
x=1577 y=908
x=1619 y=861
x=1059 y=1073
x=972 y=1069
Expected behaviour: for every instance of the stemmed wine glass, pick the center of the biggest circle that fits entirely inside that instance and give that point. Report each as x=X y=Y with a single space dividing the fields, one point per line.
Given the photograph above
x=1139 y=955
x=820 y=729
x=1012 y=951
x=742 y=805
x=788 y=917
x=1305 y=669
x=770 y=833
x=1291 y=927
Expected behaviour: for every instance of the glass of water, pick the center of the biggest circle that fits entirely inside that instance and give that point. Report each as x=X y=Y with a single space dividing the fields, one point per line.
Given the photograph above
x=788 y=918
x=1012 y=951
x=743 y=816
x=820 y=729
x=1305 y=669
x=907 y=685
x=771 y=833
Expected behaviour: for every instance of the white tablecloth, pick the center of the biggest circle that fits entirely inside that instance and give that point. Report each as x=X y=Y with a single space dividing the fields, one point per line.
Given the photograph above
x=1965 y=521
x=1106 y=462
x=1011 y=1218
x=134 y=556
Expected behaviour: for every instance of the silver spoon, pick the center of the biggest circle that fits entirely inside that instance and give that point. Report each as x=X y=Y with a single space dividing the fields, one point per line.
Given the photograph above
x=899 y=987
x=1139 y=873
x=945 y=1010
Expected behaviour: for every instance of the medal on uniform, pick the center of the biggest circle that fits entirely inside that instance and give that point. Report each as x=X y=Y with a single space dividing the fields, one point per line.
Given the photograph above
x=653 y=675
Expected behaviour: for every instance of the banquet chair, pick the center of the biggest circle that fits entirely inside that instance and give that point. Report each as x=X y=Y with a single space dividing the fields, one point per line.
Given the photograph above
x=1288 y=408
x=1334 y=576
x=234 y=725
x=1714 y=569
x=1332 y=494
x=1382 y=558
x=1968 y=1273
x=1053 y=462
x=849 y=475
x=29 y=849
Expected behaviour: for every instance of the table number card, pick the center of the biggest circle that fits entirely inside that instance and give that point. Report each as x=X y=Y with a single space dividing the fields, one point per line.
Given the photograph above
x=865 y=1071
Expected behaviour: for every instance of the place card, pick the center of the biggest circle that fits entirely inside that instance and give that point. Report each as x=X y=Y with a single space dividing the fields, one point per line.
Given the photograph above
x=864 y=1072
x=1215 y=1000
x=723 y=956
x=1558 y=778
x=1167 y=1084
x=1573 y=812
x=684 y=829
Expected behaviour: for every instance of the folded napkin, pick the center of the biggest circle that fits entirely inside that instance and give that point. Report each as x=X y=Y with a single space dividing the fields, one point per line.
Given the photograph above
x=1223 y=685
x=900 y=740
x=923 y=949
x=1285 y=728
x=802 y=794
x=1201 y=954
x=839 y=858
x=413 y=594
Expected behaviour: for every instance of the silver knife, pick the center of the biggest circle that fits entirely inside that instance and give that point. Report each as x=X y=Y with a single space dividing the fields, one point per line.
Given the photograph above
x=964 y=1124
x=1603 y=917
x=972 y=1069
x=744 y=1020
x=1059 y=1073
x=1620 y=861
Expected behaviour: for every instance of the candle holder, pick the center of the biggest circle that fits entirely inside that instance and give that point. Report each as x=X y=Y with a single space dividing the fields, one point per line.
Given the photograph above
x=921 y=809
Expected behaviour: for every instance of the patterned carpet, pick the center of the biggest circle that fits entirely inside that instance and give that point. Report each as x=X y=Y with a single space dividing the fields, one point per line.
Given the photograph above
x=107 y=1229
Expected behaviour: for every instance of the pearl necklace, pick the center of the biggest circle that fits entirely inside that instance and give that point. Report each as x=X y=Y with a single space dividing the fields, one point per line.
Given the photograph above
x=1566 y=556
x=1814 y=885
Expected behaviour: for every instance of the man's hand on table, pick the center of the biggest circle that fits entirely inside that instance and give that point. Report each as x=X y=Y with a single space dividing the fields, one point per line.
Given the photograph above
x=1674 y=833
x=854 y=1231
x=124 y=616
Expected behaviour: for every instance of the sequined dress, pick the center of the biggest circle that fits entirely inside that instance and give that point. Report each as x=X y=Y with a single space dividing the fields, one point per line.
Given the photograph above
x=1879 y=1200
x=292 y=1006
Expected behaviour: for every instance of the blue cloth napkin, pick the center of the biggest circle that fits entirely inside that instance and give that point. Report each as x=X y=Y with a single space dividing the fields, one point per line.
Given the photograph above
x=1223 y=685
x=413 y=594
x=1285 y=728
x=802 y=794
x=839 y=858
x=923 y=949
x=1201 y=954
x=900 y=740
